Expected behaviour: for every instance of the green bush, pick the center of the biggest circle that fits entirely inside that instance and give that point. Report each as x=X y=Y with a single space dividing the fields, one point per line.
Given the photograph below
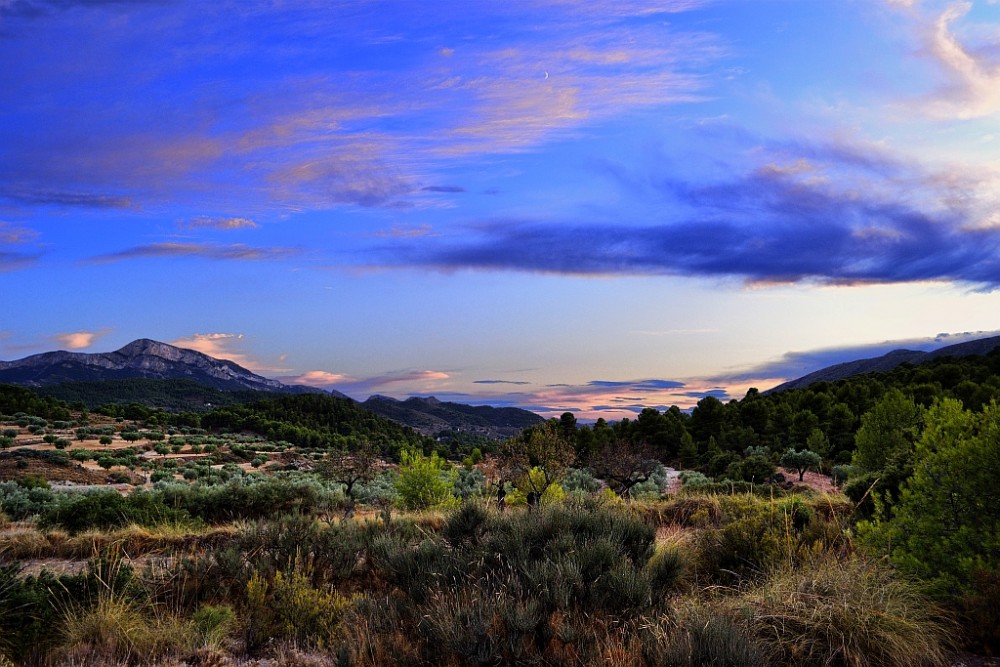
x=466 y=525
x=415 y=568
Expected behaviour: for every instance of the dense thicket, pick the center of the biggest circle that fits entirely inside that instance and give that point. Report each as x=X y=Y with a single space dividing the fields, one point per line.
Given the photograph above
x=21 y=399
x=172 y=395
x=823 y=417
x=316 y=420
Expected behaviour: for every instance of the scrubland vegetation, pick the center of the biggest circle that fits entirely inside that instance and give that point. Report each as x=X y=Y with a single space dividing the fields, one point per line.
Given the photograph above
x=301 y=532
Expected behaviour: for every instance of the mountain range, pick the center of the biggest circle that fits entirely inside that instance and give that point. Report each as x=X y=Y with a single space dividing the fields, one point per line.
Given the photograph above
x=162 y=375
x=147 y=367
x=889 y=361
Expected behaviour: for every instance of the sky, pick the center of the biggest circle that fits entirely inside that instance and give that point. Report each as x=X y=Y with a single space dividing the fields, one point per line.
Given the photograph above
x=584 y=205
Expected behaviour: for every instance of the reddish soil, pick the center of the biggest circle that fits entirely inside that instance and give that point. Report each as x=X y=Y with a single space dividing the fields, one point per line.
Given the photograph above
x=813 y=480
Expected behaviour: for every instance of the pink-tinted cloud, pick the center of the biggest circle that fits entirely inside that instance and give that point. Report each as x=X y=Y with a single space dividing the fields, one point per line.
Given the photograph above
x=79 y=340
x=229 y=346
x=15 y=235
x=221 y=223
x=610 y=399
x=233 y=252
x=319 y=379
x=399 y=383
x=321 y=135
x=400 y=232
x=975 y=81
x=15 y=261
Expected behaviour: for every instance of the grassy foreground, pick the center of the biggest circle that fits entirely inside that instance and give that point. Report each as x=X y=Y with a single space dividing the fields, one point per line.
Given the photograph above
x=695 y=580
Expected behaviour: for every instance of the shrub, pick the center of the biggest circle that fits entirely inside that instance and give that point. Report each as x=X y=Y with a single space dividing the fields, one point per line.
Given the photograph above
x=465 y=525
x=254 y=496
x=33 y=481
x=469 y=482
x=414 y=568
x=20 y=503
x=693 y=479
x=740 y=549
x=580 y=480
x=424 y=481
x=655 y=486
x=160 y=475
x=289 y=607
x=841 y=473
x=665 y=571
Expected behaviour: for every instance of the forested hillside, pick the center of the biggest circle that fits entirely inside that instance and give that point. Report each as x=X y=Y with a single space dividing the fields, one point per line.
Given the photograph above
x=824 y=416
x=175 y=395
x=316 y=420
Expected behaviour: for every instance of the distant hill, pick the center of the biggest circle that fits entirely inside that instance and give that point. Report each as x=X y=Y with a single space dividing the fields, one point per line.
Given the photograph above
x=889 y=361
x=141 y=358
x=430 y=416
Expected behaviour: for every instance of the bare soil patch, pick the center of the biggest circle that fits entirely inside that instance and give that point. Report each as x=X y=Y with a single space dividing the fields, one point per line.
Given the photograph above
x=13 y=469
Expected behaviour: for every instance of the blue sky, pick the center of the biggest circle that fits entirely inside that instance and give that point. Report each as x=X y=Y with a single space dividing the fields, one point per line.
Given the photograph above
x=593 y=206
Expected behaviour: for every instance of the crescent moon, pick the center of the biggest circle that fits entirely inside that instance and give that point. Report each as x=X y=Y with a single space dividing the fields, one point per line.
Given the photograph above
x=546 y=75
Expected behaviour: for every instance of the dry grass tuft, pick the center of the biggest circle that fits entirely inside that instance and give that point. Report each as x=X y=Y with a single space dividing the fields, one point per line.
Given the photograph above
x=22 y=543
x=849 y=613
x=116 y=629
